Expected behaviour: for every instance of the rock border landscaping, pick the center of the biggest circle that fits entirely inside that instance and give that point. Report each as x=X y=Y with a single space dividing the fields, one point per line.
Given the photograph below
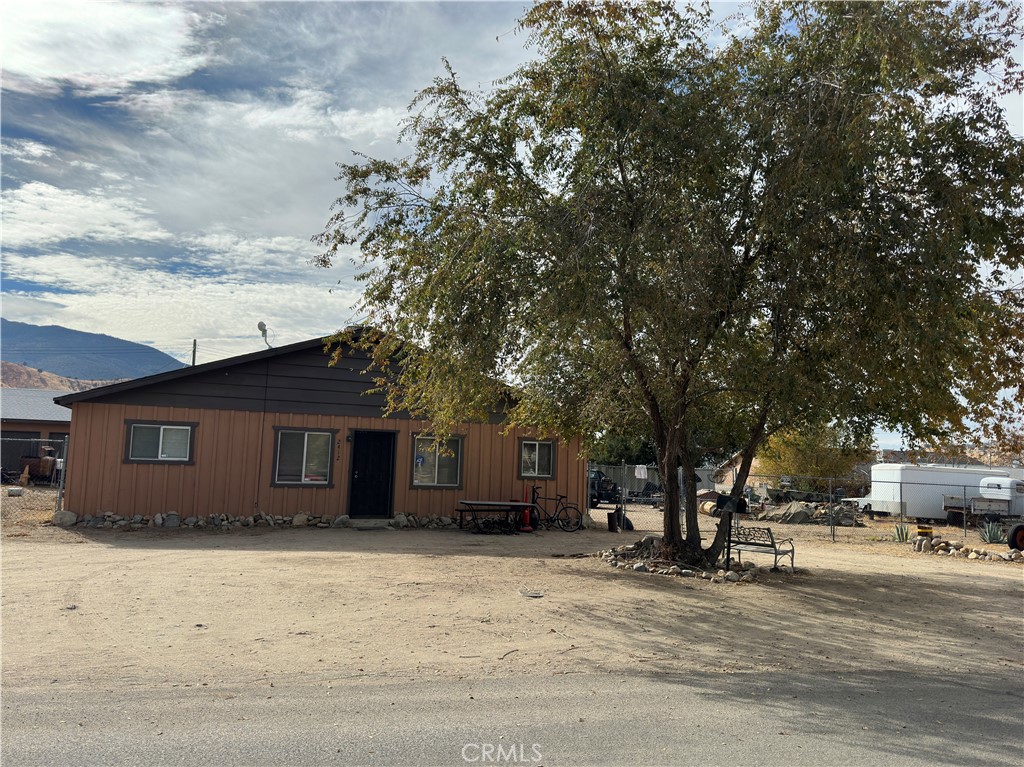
x=171 y=519
x=944 y=547
x=639 y=558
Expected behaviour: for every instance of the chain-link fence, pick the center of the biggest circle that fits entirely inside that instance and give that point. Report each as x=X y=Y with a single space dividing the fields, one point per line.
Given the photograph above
x=632 y=495
x=806 y=499
x=780 y=489
x=30 y=461
x=32 y=473
x=27 y=506
x=638 y=494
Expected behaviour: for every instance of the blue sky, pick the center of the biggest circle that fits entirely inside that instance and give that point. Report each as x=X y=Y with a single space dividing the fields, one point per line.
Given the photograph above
x=165 y=165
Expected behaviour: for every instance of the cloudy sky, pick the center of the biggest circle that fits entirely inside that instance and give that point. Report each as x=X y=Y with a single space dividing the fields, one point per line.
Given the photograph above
x=165 y=165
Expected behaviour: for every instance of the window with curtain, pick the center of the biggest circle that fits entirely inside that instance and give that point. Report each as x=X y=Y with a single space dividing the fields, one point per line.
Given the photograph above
x=436 y=464
x=536 y=459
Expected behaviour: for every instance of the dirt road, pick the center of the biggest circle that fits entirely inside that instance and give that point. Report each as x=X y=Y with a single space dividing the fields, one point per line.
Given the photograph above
x=195 y=607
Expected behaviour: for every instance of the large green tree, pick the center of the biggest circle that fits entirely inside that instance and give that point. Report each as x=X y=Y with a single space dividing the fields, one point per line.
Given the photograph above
x=658 y=227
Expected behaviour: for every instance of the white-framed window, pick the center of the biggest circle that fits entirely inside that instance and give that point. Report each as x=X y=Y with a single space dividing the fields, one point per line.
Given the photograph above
x=303 y=457
x=437 y=465
x=159 y=442
x=536 y=459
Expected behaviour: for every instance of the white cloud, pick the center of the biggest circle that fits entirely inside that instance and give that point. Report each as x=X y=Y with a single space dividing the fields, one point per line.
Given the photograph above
x=279 y=114
x=129 y=299
x=167 y=210
x=380 y=123
x=240 y=257
x=260 y=164
x=97 y=47
x=26 y=150
x=38 y=214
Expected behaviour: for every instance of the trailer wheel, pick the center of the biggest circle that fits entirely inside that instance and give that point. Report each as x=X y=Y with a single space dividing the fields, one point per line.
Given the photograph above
x=1016 y=537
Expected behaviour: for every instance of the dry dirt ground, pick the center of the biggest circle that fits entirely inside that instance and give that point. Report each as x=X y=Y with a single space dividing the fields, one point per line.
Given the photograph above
x=190 y=607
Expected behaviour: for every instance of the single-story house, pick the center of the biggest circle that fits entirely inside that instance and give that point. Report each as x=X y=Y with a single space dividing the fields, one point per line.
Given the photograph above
x=30 y=422
x=280 y=432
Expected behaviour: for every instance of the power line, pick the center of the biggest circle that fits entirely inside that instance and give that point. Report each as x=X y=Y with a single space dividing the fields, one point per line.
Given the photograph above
x=37 y=349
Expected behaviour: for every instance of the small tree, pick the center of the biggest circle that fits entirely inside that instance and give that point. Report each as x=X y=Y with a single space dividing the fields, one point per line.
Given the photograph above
x=644 y=233
x=822 y=451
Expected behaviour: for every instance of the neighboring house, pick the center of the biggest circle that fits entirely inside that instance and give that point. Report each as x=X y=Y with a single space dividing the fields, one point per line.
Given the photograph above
x=28 y=416
x=281 y=432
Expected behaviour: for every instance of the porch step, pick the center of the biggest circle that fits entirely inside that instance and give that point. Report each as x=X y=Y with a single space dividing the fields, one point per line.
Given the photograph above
x=371 y=524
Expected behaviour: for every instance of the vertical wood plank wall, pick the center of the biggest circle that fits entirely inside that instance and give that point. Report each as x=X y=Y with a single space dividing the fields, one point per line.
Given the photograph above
x=234 y=459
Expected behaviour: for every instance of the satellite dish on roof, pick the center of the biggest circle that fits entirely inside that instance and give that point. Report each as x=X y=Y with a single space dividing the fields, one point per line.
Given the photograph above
x=262 y=327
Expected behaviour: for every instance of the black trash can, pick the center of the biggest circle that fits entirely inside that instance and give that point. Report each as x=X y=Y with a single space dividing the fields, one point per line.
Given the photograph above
x=613 y=521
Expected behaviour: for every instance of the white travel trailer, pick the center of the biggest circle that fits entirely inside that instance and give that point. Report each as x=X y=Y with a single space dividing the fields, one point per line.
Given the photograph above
x=920 y=492
x=947 y=494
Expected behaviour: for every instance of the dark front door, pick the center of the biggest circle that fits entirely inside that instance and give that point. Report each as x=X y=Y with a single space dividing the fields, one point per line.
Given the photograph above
x=373 y=474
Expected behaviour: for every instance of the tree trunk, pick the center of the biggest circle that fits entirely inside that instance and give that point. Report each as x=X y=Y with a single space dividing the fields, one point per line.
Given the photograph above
x=714 y=551
x=672 y=455
x=689 y=468
x=668 y=459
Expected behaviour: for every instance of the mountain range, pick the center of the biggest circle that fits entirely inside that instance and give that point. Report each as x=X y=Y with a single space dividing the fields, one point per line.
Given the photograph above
x=75 y=354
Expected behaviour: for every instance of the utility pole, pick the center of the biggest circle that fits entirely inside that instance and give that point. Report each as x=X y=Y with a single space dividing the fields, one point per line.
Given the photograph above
x=193 y=352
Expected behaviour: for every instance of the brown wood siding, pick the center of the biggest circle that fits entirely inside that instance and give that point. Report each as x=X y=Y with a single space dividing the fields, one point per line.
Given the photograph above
x=234 y=459
x=45 y=428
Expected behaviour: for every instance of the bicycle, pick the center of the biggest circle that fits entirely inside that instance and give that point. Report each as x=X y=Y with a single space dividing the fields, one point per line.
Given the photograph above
x=566 y=516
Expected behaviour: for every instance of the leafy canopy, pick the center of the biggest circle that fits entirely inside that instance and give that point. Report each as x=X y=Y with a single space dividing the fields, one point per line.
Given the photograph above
x=655 y=227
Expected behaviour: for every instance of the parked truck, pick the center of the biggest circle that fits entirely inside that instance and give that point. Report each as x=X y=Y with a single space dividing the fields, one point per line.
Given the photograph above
x=946 y=493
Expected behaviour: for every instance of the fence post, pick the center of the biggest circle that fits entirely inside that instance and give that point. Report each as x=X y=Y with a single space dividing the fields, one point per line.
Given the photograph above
x=901 y=500
x=831 y=510
x=63 y=473
x=620 y=507
x=965 y=513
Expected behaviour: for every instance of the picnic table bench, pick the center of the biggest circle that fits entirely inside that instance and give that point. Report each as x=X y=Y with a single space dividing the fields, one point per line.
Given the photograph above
x=493 y=516
x=760 y=540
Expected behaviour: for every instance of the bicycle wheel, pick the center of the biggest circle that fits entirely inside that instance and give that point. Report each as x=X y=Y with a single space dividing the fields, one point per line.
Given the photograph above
x=544 y=520
x=569 y=518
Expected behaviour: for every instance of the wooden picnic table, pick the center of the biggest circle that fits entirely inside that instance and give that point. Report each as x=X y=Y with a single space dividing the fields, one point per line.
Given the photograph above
x=493 y=516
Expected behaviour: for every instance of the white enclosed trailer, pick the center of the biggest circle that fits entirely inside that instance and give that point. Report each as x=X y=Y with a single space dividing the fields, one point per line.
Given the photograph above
x=920 y=492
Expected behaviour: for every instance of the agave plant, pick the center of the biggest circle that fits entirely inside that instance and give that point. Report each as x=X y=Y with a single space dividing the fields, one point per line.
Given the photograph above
x=992 y=532
x=902 y=534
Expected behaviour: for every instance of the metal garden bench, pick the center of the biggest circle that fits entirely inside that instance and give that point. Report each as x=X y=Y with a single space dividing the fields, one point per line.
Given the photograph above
x=760 y=540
